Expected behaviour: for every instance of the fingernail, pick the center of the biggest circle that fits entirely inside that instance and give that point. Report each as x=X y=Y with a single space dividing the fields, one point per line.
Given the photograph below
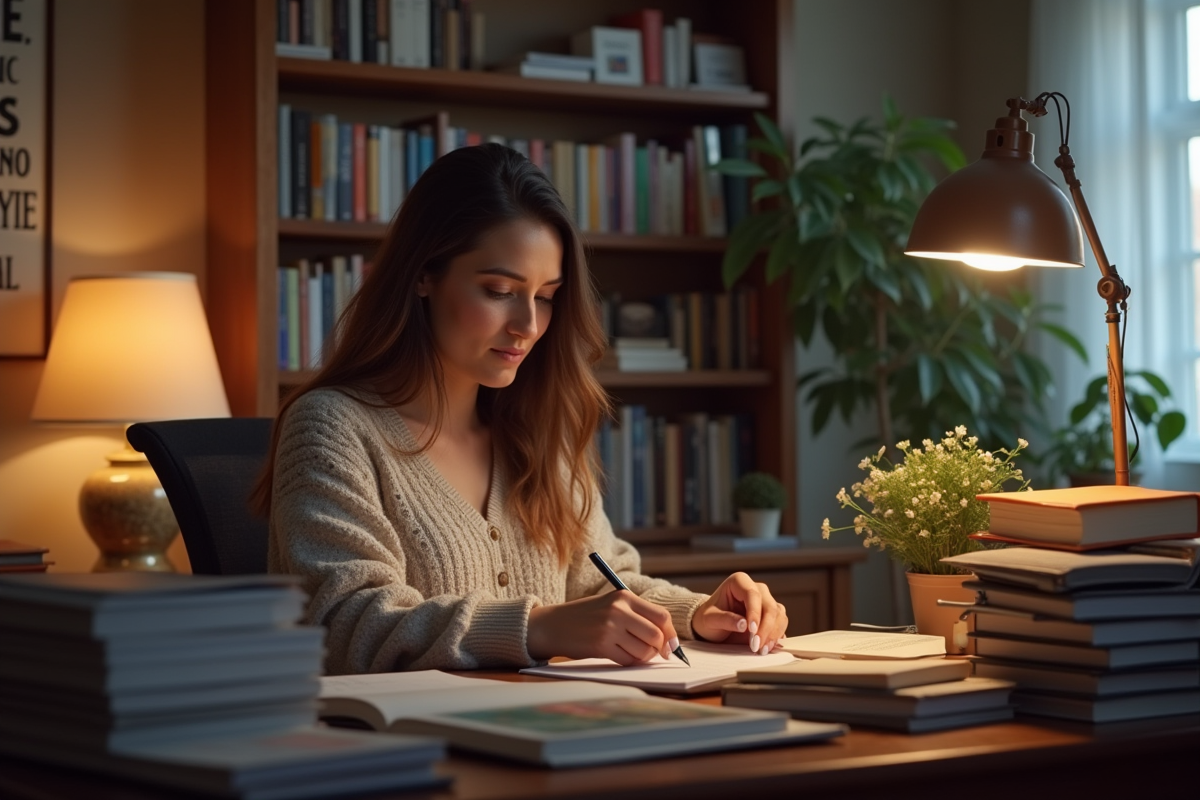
x=754 y=629
x=673 y=644
x=741 y=626
x=766 y=649
x=754 y=643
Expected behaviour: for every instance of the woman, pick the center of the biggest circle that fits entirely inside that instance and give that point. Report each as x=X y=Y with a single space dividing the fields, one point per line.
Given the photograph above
x=433 y=484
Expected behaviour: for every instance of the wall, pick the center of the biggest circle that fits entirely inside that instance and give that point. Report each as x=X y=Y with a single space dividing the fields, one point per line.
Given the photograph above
x=127 y=194
x=947 y=58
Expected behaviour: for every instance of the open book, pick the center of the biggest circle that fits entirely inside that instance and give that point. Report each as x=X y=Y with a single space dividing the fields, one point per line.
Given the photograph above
x=865 y=644
x=558 y=724
x=713 y=665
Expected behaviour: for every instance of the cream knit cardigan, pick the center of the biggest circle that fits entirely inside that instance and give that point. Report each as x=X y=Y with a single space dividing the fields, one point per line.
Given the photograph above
x=401 y=570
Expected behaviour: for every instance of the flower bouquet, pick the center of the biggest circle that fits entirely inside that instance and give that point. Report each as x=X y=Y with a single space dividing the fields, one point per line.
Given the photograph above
x=924 y=508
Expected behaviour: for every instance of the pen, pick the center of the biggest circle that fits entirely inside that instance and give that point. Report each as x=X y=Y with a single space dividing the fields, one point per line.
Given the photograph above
x=607 y=572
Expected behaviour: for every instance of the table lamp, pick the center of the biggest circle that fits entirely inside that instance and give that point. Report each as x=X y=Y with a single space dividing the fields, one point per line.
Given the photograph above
x=130 y=348
x=1002 y=212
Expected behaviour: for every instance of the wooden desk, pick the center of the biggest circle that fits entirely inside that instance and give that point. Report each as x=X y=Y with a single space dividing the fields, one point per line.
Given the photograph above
x=813 y=583
x=1022 y=759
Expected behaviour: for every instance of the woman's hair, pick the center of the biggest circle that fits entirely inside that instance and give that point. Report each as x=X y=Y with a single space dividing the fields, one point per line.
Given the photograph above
x=542 y=424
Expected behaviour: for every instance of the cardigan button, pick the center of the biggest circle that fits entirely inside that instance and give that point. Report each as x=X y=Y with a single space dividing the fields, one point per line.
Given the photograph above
x=494 y=532
x=502 y=579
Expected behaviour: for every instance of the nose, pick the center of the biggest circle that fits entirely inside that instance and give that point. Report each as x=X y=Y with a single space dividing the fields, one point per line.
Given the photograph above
x=524 y=321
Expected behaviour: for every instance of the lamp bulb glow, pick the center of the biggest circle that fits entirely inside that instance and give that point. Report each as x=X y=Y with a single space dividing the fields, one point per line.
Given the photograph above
x=993 y=263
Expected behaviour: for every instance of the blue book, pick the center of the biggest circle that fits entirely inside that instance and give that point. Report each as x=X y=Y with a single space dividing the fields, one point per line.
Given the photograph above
x=345 y=171
x=412 y=157
x=283 y=317
x=327 y=309
x=638 y=440
x=425 y=141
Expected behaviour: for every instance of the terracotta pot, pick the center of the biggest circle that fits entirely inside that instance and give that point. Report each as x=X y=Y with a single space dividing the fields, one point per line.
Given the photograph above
x=935 y=620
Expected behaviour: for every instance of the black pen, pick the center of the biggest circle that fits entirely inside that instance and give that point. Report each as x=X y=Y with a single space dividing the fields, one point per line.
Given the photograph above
x=607 y=572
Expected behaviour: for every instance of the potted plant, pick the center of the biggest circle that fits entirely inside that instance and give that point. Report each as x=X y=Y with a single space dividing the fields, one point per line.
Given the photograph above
x=1081 y=452
x=918 y=341
x=924 y=509
x=759 y=499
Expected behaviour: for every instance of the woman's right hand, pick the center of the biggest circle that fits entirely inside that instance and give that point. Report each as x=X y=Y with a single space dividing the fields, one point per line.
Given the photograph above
x=617 y=625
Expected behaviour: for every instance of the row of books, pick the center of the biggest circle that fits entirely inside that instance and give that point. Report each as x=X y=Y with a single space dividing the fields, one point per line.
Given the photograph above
x=670 y=473
x=312 y=295
x=337 y=170
x=1095 y=635
x=710 y=330
x=447 y=34
x=199 y=683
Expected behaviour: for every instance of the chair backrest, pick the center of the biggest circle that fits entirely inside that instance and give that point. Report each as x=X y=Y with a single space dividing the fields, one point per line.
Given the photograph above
x=207 y=468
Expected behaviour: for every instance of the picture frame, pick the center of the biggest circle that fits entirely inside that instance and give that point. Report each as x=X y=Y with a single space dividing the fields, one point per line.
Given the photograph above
x=26 y=56
x=719 y=65
x=617 y=53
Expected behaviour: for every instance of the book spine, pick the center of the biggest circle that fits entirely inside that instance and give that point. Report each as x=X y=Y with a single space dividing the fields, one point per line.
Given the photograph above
x=315 y=336
x=282 y=316
x=672 y=472
x=425 y=141
x=582 y=189
x=345 y=203
x=627 y=461
x=399 y=23
x=341 y=30
x=660 y=470
x=293 y=318
x=370 y=30
x=737 y=189
x=301 y=162
x=372 y=173
x=693 y=193
x=302 y=313
x=316 y=173
x=355 y=33
x=642 y=191
x=383 y=31
x=359 y=167
x=284 y=161
x=329 y=165
x=639 y=465
x=420 y=33
x=478 y=56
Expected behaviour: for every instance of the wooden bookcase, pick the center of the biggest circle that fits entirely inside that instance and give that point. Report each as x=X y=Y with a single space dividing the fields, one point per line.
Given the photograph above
x=246 y=240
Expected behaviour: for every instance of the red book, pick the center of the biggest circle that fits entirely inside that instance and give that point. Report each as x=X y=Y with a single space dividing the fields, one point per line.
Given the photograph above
x=690 y=208
x=359 y=172
x=650 y=22
x=537 y=153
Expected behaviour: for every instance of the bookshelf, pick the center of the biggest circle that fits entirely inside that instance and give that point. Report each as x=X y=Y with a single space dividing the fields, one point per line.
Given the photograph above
x=247 y=241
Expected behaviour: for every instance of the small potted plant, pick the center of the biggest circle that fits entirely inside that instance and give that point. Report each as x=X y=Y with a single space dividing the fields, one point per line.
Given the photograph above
x=759 y=499
x=1081 y=452
x=924 y=509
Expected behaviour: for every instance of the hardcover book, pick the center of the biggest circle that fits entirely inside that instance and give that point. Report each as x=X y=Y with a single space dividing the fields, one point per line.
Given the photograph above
x=1061 y=571
x=876 y=674
x=1095 y=604
x=1093 y=516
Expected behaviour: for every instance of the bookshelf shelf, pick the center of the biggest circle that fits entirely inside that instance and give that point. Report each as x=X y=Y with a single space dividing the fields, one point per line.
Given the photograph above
x=490 y=88
x=370 y=232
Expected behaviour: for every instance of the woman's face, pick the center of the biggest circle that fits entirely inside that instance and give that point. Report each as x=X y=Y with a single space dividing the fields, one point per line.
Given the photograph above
x=494 y=303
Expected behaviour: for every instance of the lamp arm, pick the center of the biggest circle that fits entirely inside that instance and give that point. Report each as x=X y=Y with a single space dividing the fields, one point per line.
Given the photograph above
x=1115 y=292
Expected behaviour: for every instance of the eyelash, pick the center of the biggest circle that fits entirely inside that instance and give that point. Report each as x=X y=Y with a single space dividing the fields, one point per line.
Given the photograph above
x=505 y=295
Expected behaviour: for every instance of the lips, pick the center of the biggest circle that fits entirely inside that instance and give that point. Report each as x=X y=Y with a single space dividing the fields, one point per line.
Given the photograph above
x=511 y=354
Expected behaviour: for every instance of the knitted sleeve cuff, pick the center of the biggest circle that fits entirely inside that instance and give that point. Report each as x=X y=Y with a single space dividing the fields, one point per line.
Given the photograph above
x=497 y=636
x=681 y=603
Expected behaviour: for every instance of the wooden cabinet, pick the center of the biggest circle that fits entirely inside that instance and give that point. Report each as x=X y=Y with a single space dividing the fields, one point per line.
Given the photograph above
x=813 y=585
x=245 y=82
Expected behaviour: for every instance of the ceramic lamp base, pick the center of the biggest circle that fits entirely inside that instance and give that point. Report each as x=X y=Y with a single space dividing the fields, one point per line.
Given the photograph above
x=128 y=516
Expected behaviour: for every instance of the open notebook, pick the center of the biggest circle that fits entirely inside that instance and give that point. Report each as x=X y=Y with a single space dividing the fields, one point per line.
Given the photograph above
x=713 y=665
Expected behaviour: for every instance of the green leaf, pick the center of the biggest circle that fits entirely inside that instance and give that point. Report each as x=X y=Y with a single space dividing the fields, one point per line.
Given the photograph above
x=765 y=188
x=771 y=131
x=1066 y=337
x=804 y=321
x=1170 y=428
x=783 y=253
x=886 y=281
x=823 y=409
x=964 y=384
x=1144 y=407
x=1158 y=383
x=833 y=128
x=847 y=268
x=749 y=235
x=740 y=168
x=921 y=288
x=929 y=375
x=1081 y=410
x=764 y=146
x=810 y=376
x=866 y=245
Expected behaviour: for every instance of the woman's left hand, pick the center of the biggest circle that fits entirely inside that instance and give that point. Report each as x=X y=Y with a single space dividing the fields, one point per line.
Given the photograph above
x=741 y=610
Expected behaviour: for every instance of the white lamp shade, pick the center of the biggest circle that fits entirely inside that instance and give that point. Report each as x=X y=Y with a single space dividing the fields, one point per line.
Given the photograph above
x=131 y=348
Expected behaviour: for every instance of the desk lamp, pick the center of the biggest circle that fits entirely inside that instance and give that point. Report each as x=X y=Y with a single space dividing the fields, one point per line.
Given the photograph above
x=130 y=348
x=1002 y=212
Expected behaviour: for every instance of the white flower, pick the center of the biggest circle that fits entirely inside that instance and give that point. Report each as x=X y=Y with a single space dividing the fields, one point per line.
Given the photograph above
x=935 y=498
x=882 y=450
x=924 y=534
x=826 y=529
x=888 y=513
x=963 y=502
x=908 y=512
x=865 y=463
x=903 y=445
x=1022 y=442
x=966 y=481
x=916 y=501
x=842 y=497
x=986 y=484
x=961 y=430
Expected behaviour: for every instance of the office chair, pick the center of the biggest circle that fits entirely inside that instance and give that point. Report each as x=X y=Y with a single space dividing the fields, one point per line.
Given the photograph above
x=207 y=468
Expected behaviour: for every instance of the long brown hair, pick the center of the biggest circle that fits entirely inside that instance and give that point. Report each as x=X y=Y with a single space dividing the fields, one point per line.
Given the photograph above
x=542 y=424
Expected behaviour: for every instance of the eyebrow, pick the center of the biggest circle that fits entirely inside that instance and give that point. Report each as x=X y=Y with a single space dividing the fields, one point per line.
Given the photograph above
x=510 y=274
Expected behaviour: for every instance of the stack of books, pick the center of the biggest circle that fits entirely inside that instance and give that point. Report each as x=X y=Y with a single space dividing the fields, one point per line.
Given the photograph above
x=552 y=66
x=1105 y=631
x=643 y=354
x=911 y=695
x=18 y=557
x=200 y=682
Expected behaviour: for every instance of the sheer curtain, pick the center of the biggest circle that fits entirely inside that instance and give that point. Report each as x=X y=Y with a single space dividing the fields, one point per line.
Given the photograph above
x=1093 y=52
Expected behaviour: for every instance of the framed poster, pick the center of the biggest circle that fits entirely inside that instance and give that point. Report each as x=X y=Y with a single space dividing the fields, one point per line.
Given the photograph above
x=25 y=53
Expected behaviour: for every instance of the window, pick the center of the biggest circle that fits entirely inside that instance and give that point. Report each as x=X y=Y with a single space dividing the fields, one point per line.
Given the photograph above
x=1175 y=144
